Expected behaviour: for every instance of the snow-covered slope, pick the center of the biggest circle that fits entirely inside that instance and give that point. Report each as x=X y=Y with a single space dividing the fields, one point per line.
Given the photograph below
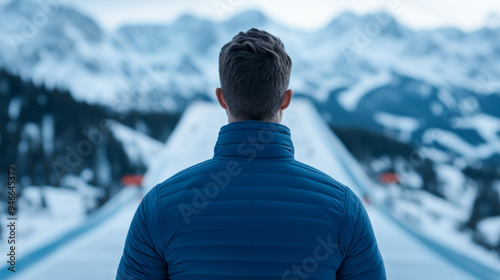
x=140 y=148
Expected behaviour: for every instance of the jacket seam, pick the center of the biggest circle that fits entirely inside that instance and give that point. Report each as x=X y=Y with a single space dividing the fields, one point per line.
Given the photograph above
x=342 y=251
x=245 y=158
x=286 y=132
x=326 y=184
x=244 y=142
x=265 y=200
x=158 y=200
x=184 y=171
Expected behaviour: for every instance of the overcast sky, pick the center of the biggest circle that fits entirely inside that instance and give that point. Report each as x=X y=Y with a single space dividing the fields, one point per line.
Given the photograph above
x=307 y=15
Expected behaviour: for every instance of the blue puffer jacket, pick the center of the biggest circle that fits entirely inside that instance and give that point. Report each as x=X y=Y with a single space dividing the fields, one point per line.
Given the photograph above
x=251 y=212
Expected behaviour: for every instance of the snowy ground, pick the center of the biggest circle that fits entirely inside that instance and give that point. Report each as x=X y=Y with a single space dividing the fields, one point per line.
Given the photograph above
x=95 y=255
x=93 y=249
x=37 y=226
x=47 y=213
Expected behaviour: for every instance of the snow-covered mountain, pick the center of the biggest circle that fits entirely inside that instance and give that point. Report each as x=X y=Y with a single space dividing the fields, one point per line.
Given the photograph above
x=368 y=71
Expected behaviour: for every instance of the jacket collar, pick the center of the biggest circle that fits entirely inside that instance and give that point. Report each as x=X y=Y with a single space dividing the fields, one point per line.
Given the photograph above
x=254 y=140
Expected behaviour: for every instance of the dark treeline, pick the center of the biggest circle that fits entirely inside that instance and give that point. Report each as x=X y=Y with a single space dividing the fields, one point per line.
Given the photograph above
x=47 y=134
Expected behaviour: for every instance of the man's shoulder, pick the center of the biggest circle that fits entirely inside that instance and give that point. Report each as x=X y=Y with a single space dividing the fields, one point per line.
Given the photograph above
x=317 y=174
x=198 y=169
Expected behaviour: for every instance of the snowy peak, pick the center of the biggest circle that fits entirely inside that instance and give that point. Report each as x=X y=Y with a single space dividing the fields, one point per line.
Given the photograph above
x=42 y=37
x=374 y=24
x=246 y=18
x=28 y=18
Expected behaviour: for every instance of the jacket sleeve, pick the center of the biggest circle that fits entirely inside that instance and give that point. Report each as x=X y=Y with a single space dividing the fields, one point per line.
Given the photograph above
x=141 y=258
x=361 y=257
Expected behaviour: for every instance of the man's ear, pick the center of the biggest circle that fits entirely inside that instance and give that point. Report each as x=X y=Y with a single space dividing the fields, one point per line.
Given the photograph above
x=220 y=98
x=287 y=99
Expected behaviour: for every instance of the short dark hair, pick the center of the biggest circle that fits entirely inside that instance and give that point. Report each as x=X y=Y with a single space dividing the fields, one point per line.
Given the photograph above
x=254 y=72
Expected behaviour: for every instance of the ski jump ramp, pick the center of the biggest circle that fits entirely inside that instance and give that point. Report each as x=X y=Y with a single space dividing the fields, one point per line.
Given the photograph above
x=96 y=253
